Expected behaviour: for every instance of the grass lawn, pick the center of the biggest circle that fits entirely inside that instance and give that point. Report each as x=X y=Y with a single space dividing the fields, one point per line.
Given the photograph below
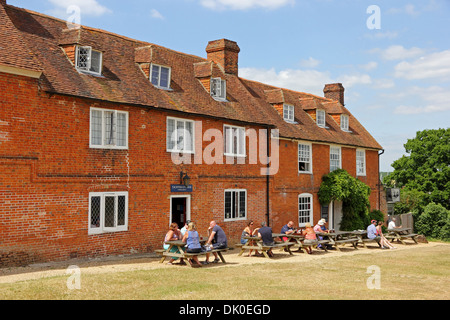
x=421 y=272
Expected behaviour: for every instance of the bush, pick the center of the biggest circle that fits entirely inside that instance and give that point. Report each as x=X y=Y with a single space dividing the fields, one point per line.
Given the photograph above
x=434 y=222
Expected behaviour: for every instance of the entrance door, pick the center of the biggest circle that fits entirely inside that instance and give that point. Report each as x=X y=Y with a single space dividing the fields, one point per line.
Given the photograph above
x=336 y=215
x=180 y=210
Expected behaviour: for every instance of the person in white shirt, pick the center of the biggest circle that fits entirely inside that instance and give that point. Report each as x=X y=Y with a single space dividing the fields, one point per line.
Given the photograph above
x=392 y=224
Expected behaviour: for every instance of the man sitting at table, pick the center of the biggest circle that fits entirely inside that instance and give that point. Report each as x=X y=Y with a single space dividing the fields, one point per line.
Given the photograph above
x=265 y=233
x=287 y=229
x=217 y=238
x=372 y=232
x=392 y=224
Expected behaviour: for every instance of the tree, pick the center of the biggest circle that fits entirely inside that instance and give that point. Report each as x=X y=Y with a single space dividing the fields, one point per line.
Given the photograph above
x=341 y=186
x=434 y=222
x=426 y=168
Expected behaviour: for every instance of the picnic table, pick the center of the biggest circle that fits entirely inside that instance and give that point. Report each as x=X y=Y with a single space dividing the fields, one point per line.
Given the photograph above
x=255 y=243
x=298 y=239
x=400 y=234
x=184 y=255
x=340 y=238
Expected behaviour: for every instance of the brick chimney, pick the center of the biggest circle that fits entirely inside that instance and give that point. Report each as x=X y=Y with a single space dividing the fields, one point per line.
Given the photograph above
x=335 y=91
x=225 y=53
x=3 y=2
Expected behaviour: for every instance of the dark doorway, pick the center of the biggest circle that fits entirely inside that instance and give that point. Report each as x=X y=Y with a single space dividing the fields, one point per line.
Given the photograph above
x=179 y=211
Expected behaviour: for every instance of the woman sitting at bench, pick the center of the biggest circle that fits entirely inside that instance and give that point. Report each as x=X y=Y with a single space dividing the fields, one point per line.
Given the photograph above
x=172 y=235
x=310 y=238
x=192 y=240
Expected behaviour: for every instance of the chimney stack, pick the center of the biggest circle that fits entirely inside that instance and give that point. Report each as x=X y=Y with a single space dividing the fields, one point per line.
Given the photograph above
x=225 y=53
x=3 y=2
x=335 y=91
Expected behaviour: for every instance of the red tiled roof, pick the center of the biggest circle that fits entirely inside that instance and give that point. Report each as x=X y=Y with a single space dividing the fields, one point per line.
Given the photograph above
x=123 y=81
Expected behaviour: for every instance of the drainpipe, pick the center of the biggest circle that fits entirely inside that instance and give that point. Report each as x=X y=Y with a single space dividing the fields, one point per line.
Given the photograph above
x=379 y=180
x=268 y=177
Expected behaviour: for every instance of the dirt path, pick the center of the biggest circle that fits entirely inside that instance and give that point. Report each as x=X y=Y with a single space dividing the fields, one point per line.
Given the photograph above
x=150 y=261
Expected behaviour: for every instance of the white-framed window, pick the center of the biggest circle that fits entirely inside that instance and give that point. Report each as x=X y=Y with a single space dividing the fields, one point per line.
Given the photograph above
x=234 y=141
x=304 y=158
x=108 y=129
x=320 y=118
x=360 y=162
x=219 y=89
x=160 y=76
x=288 y=113
x=305 y=209
x=335 y=158
x=88 y=60
x=180 y=135
x=108 y=212
x=235 y=204
x=345 y=122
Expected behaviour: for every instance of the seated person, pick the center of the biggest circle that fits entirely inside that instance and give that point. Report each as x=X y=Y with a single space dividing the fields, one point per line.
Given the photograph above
x=287 y=229
x=265 y=233
x=372 y=232
x=217 y=238
x=310 y=237
x=192 y=240
x=392 y=224
x=172 y=235
x=249 y=231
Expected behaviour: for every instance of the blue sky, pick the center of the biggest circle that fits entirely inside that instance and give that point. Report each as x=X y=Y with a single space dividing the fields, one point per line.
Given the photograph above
x=395 y=65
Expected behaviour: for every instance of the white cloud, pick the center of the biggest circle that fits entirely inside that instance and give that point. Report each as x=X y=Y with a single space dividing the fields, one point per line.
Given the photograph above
x=310 y=81
x=432 y=100
x=398 y=52
x=244 y=4
x=372 y=65
x=156 y=14
x=310 y=63
x=408 y=9
x=350 y=80
x=435 y=65
x=87 y=7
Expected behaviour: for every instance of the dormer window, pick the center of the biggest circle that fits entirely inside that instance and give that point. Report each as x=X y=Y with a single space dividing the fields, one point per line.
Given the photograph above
x=320 y=118
x=219 y=89
x=88 y=60
x=288 y=113
x=160 y=76
x=344 y=122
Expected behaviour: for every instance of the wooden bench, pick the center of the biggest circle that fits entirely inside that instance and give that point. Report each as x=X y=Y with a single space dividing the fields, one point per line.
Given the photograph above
x=367 y=240
x=353 y=242
x=401 y=234
x=283 y=245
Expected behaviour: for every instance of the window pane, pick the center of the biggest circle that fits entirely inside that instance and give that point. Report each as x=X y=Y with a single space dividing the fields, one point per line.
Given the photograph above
x=242 y=204
x=110 y=216
x=95 y=212
x=304 y=210
x=222 y=89
x=164 y=79
x=96 y=127
x=121 y=210
x=84 y=56
x=189 y=136
x=228 y=140
x=227 y=205
x=155 y=75
x=96 y=58
x=109 y=128
x=180 y=135
x=170 y=134
x=122 y=129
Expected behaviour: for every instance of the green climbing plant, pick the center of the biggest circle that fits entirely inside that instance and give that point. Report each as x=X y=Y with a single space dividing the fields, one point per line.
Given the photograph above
x=339 y=185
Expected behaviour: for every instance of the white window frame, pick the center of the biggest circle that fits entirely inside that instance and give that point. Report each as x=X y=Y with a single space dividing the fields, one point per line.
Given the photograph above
x=237 y=205
x=360 y=162
x=89 y=61
x=339 y=149
x=320 y=123
x=159 y=76
x=345 y=122
x=92 y=230
x=310 y=197
x=229 y=142
x=104 y=145
x=288 y=113
x=221 y=89
x=310 y=161
x=168 y=136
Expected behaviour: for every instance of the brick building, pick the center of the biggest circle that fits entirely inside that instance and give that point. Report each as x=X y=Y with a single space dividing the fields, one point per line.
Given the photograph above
x=106 y=140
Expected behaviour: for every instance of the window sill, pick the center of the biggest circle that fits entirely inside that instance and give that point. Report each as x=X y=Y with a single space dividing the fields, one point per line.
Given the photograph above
x=163 y=88
x=108 y=148
x=235 y=219
x=181 y=151
x=90 y=73
x=93 y=232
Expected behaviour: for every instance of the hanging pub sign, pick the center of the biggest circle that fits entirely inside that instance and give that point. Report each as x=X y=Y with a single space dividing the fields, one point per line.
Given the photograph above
x=181 y=188
x=393 y=195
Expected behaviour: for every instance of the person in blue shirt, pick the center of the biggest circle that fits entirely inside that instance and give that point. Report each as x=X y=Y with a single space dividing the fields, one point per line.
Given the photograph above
x=192 y=240
x=217 y=239
x=372 y=232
